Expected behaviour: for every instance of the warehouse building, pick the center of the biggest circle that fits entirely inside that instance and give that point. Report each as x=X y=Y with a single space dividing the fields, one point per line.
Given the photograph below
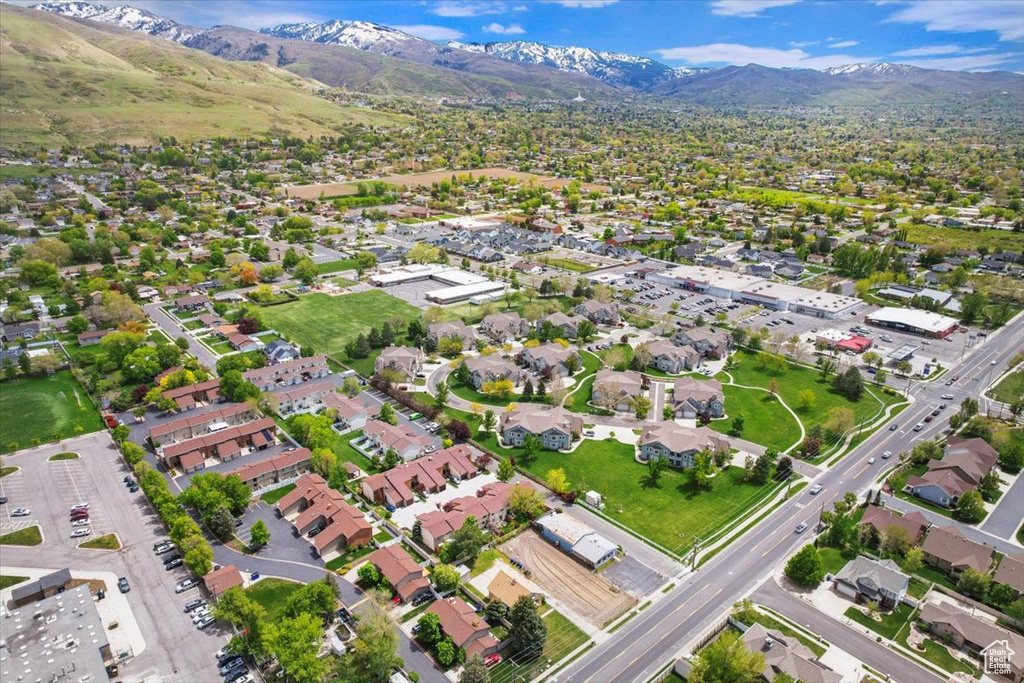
x=576 y=539
x=924 y=323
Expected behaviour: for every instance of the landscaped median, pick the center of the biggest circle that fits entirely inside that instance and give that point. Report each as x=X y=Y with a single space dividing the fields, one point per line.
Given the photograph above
x=106 y=542
x=27 y=536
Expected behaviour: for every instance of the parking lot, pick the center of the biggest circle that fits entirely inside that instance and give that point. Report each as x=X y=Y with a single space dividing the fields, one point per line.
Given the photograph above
x=176 y=650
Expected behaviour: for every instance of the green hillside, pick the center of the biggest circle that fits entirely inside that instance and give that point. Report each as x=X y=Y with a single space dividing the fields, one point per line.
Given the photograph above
x=62 y=81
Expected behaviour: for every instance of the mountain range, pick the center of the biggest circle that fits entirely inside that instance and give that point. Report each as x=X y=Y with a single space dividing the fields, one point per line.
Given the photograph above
x=369 y=57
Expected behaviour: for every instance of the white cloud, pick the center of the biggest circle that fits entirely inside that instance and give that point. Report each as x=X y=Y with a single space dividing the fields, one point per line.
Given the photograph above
x=1005 y=61
x=510 y=30
x=732 y=53
x=582 y=4
x=965 y=16
x=844 y=43
x=431 y=32
x=746 y=8
x=466 y=8
x=806 y=43
x=520 y=8
x=932 y=50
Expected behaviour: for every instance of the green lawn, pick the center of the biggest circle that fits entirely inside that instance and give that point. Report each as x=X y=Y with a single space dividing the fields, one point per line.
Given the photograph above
x=940 y=656
x=4 y=471
x=578 y=401
x=1010 y=389
x=108 y=542
x=565 y=264
x=272 y=594
x=834 y=559
x=342 y=447
x=41 y=409
x=669 y=514
x=336 y=266
x=935 y=576
x=765 y=420
x=959 y=238
x=271 y=497
x=64 y=456
x=8 y=581
x=327 y=323
x=350 y=557
x=382 y=536
x=890 y=623
x=28 y=536
x=563 y=637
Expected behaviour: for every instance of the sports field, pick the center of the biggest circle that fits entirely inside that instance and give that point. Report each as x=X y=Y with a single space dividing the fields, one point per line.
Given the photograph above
x=40 y=409
x=327 y=323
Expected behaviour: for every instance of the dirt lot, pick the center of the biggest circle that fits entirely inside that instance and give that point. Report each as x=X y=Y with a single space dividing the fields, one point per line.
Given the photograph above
x=583 y=591
x=413 y=179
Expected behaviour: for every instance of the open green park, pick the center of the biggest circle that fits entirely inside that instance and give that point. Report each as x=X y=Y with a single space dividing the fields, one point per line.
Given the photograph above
x=40 y=409
x=1010 y=388
x=669 y=513
x=327 y=323
x=272 y=594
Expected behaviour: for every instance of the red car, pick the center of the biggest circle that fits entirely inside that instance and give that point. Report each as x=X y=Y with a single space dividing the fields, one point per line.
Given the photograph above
x=396 y=600
x=491 y=660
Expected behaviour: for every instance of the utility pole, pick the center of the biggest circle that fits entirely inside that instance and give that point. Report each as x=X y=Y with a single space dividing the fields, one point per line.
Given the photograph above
x=693 y=557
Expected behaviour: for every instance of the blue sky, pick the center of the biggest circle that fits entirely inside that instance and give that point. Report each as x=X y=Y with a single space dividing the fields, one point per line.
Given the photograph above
x=944 y=34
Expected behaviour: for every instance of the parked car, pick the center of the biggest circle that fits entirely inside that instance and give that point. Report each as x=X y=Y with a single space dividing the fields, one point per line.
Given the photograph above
x=173 y=565
x=588 y=432
x=3 y=500
x=171 y=558
x=239 y=676
x=163 y=548
x=79 y=533
x=20 y=512
x=230 y=664
x=492 y=659
x=79 y=514
x=80 y=522
x=928 y=418
x=201 y=614
x=193 y=605
x=185 y=585
x=207 y=620
x=123 y=584
x=80 y=506
x=133 y=488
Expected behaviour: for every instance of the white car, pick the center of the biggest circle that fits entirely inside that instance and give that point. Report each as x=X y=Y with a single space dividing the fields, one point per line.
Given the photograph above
x=80 y=506
x=814 y=490
x=871 y=461
x=201 y=614
x=185 y=585
x=20 y=512
x=78 y=533
x=886 y=455
x=80 y=522
x=588 y=432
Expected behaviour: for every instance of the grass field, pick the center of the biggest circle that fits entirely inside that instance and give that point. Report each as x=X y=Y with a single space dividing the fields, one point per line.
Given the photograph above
x=327 y=323
x=670 y=513
x=565 y=264
x=272 y=594
x=959 y=238
x=937 y=654
x=64 y=456
x=8 y=581
x=834 y=559
x=563 y=637
x=108 y=542
x=41 y=409
x=27 y=536
x=271 y=497
x=765 y=420
x=890 y=623
x=4 y=471
x=336 y=266
x=1010 y=389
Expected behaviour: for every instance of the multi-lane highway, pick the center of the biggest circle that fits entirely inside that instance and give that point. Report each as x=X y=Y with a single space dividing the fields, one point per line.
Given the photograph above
x=644 y=645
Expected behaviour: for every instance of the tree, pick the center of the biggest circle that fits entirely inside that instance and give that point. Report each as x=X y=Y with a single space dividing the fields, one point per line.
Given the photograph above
x=849 y=383
x=806 y=400
x=913 y=561
x=306 y=271
x=970 y=508
x=988 y=487
x=972 y=305
x=974 y=584
x=655 y=466
x=501 y=389
x=259 y=535
x=528 y=631
x=221 y=523
x=457 y=429
x=531 y=445
x=738 y=422
x=525 y=501
x=445 y=578
x=387 y=414
x=25 y=363
x=968 y=408
x=700 y=471
x=78 y=325
x=445 y=653
x=368 y=575
x=557 y=481
x=120 y=433
x=374 y=653
x=527 y=393
x=586 y=331
x=641 y=405
x=464 y=545
x=317 y=598
x=805 y=568
x=428 y=630
x=295 y=643
x=1011 y=458
x=506 y=470
x=237 y=608
x=365 y=260
x=442 y=392
x=474 y=671
x=827 y=367
x=727 y=660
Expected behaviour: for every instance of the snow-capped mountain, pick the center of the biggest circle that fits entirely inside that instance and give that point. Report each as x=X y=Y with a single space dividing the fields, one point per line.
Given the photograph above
x=362 y=35
x=611 y=67
x=875 y=70
x=131 y=18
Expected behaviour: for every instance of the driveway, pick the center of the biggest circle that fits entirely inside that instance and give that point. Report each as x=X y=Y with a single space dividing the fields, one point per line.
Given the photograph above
x=1006 y=518
x=633 y=576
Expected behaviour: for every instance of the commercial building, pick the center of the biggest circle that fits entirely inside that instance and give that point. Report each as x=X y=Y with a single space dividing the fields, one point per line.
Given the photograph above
x=924 y=323
x=576 y=539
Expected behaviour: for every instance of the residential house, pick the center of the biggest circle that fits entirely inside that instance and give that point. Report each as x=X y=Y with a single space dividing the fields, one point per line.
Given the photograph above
x=677 y=443
x=599 y=313
x=882 y=521
x=695 y=397
x=192 y=303
x=279 y=351
x=350 y=412
x=672 y=359
x=785 y=654
x=709 y=342
x=566 y=325
x=550 y=359
x=191 y=426
x=192 y=396
x=508 y=590
x=92 y=337
x=502 y=327
x=400 y=438
x=404 y=574
x=222 y=579
x=288 y=373
x=945 y=548
x=244 y=343
x=407 y=361
x=975 y=635
x=615 y=390
x=960 y=470
x=466 y=628
x=1010 y=572
x=492 y=368
x=576 y=539
x=312 y=504
x=879 y=581
x=224 y=445
x=555 y=427
x=458 y=330
x=489 y=507
x=263 y=473
x=302 y=398
x=398 y=486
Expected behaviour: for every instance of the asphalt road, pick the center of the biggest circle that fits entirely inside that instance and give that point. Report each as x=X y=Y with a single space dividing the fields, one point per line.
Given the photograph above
x=172 y=328
x=644 y=645
x=867 y=650
x=1006 y=518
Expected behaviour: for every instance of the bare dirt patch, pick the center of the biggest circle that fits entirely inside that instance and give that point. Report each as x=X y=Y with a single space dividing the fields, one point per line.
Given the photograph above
x=586 y=593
